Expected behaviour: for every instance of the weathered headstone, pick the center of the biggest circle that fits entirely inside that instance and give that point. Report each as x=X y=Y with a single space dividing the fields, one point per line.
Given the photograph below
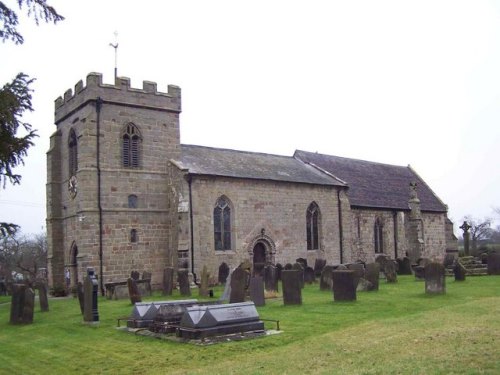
x=292 y=291
x=29 y=306
x=183 y=280
x=223 y=273
x=81 y=297
x=326 y=280
x=404 y=266
x=419 y=273
x=271 y=278
x=390 y=272
x=364 y=285
x=309 y=277
x=298 y=267
x=90 y=289
x=359 y=271
x=204 y=282
x=238 y=285
x=435 y=278
x=279 y=268
x=318 y=266
x=257 y=291
x=146 y=275
x=288 y=267
x=302 y=261
x=459 y=271
x=43 y=295
x=168 y=281
x=343 y=285
x=372 y=274
x=133 y=291
x=22 y=304
x=494 y=264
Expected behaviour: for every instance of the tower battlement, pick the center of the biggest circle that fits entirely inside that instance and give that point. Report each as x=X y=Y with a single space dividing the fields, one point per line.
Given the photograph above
x=119 y=93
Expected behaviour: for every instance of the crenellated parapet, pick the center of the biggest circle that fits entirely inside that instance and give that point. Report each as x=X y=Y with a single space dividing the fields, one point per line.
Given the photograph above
x=120 y=94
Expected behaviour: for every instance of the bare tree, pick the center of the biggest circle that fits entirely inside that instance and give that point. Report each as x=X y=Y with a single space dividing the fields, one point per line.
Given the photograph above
x=479 y=230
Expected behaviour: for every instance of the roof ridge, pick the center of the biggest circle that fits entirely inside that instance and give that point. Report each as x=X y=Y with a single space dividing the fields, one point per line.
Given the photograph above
x=238 y=151
x=353 y=159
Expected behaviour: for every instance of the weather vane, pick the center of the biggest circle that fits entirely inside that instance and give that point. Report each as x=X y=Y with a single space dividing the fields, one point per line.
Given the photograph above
x=115 y=46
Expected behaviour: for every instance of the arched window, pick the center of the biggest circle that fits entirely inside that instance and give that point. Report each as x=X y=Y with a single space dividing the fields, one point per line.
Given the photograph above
x=132 y=201
x=72 y=153
x=312 y=226
x=379 y=236
x=222 y=224
x=133 y=235
x=131 y=139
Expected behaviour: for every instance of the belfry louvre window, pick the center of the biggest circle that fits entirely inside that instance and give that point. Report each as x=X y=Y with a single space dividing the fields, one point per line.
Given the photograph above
x=73 y=153
x=312 y=226
x=131 y=140
x=222 y=224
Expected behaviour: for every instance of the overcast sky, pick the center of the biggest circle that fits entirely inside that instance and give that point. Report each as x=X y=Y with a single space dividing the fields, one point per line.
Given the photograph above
x=397 y=82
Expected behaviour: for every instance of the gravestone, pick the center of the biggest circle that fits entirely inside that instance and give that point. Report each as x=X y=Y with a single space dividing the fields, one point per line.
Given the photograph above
x=90 y=288
x=79 y=293
x=318 y=266
x=168 y=281
x=404 y=266
x=344 y=288
x=135 y=275
x=435 y=278
x=364 y=285
x=22 y=304
x=382 y=260
x=238 y=285
x=390 y=272
x=292 y=291
x=288 y=267
x=309 y=277
x=43 y=295
x=372 y=274
x=279 y=268
x=223 y=273
x=419 y=273
x=133 y=291
x=271 y=278
x=29 y=306
x=183 y=280
x=459 y=271
x=227 y=290
x=257 y=291
x=146 y=275
x=302 y=262
x=494 y=264
x=326 y=280
x=204 y=282
x=298 y=267
x=359 y=271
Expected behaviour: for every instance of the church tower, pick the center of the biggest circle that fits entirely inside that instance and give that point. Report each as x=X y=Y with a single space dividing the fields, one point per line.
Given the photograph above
x=109 y=192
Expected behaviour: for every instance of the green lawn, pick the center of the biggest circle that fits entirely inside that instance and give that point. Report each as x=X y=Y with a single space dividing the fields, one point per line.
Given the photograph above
x=397 y=330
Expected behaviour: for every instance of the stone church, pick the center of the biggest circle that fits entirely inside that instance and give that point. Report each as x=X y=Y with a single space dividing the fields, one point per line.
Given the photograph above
x=124 y=194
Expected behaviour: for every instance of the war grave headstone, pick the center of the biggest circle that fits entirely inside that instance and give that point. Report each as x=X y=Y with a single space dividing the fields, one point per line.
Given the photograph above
x=372 y=274
x=344 y=288
x=435 y=278
x=90 y=289
x=79 y=293
x=168 y=281
x=359 y=271
x=494 y=264
x=298 y=267
x=404 y=266
x=257 y=291
x=204 y=282
x=390 y=272
x=22 y=304
x=309 y=277
x=271 y=278
x=223 y=273
x=238 y=285
x=183 y=280
x=459 y=271
x=318 y=266
x=133 y=291
x=291 y=284
x=326 y=279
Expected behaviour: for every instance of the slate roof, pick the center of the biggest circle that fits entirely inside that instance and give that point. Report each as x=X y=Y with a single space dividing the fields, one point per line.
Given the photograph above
x=375 y=185
x=200 y=160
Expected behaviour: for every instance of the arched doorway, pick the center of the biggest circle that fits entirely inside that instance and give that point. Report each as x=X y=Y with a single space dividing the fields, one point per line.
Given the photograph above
x=259 y=259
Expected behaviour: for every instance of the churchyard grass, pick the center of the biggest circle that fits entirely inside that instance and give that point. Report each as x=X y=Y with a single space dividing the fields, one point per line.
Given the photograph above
x=396 y=330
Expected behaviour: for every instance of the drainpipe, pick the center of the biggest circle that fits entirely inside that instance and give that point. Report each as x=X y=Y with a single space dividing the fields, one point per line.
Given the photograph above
x=98 y=105
x=341 y=232
x=191 y=226
x=395 y=221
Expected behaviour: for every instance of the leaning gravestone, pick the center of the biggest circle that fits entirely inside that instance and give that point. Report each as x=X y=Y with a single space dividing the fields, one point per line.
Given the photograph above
x=343 y=285
x=183 y=279
x=435 y=278
x=257 y=291
x=459 y=271
x=292 y=291
x=168 y=281
x=494 y=264
x=204 y=282
x=238 y=285
x=390 y=272
x=223 y=273
x=372 y=274
x=90 y=288
x=326 y=280
x=133 y=291
x=298 y=267
x=270 y=278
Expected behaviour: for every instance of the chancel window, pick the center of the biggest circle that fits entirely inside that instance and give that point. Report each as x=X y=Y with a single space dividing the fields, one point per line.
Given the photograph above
x=73 y=153
x=312 y=226
x=222 y=224
x=379 y=236
x=131 y=140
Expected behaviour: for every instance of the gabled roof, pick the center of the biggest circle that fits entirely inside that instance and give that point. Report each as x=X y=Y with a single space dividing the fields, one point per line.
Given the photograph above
x=375 y=185
x=199 y=160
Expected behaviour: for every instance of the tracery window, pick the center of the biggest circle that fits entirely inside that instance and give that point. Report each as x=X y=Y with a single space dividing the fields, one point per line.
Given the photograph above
x=379 y=236
x=131 y=140
x=312 y=226
x=72 y=153
x=222 y=224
